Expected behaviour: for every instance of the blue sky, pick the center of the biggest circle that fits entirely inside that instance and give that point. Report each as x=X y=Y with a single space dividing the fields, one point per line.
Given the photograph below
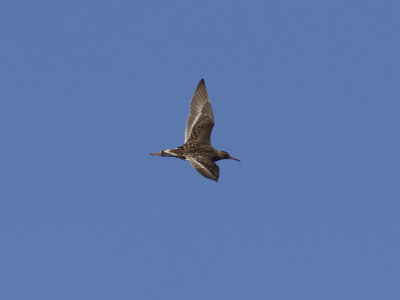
x=305 y=93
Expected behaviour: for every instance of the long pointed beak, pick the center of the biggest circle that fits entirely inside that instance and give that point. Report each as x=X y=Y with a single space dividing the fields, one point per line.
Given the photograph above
x=230 y=157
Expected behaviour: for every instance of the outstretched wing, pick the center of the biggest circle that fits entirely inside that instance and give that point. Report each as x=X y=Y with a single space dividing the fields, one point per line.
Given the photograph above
x=205 y=167
x=201 y=119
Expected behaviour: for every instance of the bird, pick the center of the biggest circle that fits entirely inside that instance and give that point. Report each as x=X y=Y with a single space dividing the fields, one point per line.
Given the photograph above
x=197 y=148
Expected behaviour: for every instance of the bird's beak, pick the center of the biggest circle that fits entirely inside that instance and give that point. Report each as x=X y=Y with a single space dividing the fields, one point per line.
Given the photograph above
x=230 y=157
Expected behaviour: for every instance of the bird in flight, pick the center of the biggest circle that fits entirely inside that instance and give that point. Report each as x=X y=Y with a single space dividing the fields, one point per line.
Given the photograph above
x=197 y=148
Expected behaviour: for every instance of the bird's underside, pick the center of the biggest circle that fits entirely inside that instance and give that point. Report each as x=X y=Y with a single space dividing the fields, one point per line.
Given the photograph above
x=200 y=157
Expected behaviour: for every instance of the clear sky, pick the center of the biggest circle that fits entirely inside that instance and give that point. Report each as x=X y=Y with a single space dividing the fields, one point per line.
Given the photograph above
x=305 y=93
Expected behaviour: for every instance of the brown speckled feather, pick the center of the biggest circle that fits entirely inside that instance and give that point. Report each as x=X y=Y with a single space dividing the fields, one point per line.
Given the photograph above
x=197 y=148
x=205 y=167
x=201 y=119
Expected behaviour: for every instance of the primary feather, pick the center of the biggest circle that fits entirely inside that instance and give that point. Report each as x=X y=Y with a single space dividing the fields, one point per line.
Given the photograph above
x=201 y=119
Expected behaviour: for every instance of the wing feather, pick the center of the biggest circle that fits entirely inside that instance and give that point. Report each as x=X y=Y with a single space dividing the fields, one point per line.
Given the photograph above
x=201 y=119
x=205 y=167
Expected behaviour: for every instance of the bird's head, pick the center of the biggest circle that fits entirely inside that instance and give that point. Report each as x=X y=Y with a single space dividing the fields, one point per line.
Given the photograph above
x=225 y=155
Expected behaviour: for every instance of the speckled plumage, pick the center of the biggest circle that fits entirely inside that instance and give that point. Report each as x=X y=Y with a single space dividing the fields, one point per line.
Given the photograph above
x=197 y=148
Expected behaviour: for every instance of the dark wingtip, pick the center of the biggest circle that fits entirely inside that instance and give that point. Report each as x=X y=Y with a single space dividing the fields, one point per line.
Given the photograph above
x=201 y=84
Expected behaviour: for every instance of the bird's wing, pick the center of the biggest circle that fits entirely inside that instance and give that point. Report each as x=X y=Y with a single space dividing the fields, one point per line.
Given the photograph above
x=201 y=119
x=205 y=167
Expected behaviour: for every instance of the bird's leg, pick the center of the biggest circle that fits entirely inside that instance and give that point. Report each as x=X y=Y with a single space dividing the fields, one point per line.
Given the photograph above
x=161 y=153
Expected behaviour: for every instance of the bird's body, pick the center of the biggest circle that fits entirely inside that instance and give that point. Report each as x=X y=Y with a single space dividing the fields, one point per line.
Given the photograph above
x=197 y=148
